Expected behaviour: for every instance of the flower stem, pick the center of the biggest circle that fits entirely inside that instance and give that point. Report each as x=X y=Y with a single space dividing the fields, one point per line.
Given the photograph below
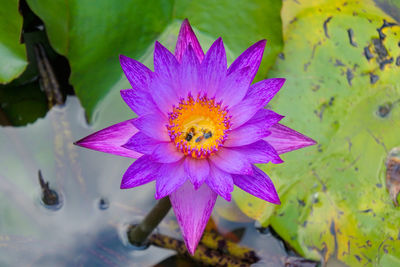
x=138 y=234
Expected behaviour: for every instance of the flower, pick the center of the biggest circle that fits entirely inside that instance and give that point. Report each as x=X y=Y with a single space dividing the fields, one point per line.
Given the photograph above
x=201 y=128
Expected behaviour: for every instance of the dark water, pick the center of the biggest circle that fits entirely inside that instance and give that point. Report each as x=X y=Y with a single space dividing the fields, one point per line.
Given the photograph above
x=88 y=227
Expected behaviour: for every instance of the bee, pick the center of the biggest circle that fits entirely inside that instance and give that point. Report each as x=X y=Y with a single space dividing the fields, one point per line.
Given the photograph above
x=190 y=134
x=207 y=135
x=199 y=139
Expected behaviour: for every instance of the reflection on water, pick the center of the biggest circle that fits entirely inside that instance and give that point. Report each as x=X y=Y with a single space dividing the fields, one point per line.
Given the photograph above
x=88 y=230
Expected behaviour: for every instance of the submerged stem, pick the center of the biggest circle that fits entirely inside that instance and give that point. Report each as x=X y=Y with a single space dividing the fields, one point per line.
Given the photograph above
x=138 y=234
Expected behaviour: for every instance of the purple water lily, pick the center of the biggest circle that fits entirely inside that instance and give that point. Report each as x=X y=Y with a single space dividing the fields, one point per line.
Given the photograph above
x=201 y=128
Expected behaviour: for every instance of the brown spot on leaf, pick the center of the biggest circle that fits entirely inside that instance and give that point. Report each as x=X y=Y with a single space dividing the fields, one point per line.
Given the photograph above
x=366 y=211
x=301 y=202
x=367 y=53
x=350 y=33
x=338 y=63
x=379 y=48
x=383 y=63
x=373 y=78
x=349 y=76
x=393 y=174
x=306 y=65
x=293 y=20
x=358 y=258
x=384 y=110
x=385 y=25
x=316 y=87
x=326 y=26
x=382 y=53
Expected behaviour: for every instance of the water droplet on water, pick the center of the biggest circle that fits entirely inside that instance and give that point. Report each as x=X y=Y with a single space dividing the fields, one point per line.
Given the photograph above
x=104 y=203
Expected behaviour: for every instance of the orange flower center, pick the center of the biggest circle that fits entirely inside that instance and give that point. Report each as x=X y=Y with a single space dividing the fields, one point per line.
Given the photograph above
x=198 y=126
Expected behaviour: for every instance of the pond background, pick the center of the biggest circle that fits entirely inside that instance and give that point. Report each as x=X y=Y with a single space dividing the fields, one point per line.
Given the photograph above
x=341 y=60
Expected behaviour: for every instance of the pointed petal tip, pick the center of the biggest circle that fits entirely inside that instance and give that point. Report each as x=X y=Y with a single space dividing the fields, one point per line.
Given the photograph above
x=277 y=161
x=192 y=210
x=276 y=202
x=186 y=23
x=123 y=92
x=123 y=186
x=187 y=36
x=227 y=197
x=261 y=43
x=308 y=141
x=81 y=142
x=312 y=142
x=158 y=44
x=281 y=80
x=123 y=59
x=191 y=246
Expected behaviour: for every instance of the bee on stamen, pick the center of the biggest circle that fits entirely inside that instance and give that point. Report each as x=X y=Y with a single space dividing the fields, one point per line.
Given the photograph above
x=199 y=139
x=207 y=135
x=190 y=134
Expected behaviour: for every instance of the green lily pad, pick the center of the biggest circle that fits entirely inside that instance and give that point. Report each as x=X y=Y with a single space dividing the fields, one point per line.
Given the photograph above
x=12 y=53
x=342 y=90
x=92 y=36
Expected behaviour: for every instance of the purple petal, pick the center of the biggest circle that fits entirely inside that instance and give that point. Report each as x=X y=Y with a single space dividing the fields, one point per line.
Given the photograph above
x=142 y=171
x=257 y=97
x=165 y=63
x=170 y=177
x=254 y=129
x=142 y=143
x=197 y=170
x=187 y=37
x=220 y=182
x=213 y=68
x=139 y=101
x=111 y=139
x=139 y=75
x=154 y=126
x=250 y=58
x=166 y=153
x=259 y=152
x=234 y=88
x=284 y=139
x=231 y=161
x=164 y=87
x=189 y=73
x=192 y=209
x=164 y=93
x=258 y=185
